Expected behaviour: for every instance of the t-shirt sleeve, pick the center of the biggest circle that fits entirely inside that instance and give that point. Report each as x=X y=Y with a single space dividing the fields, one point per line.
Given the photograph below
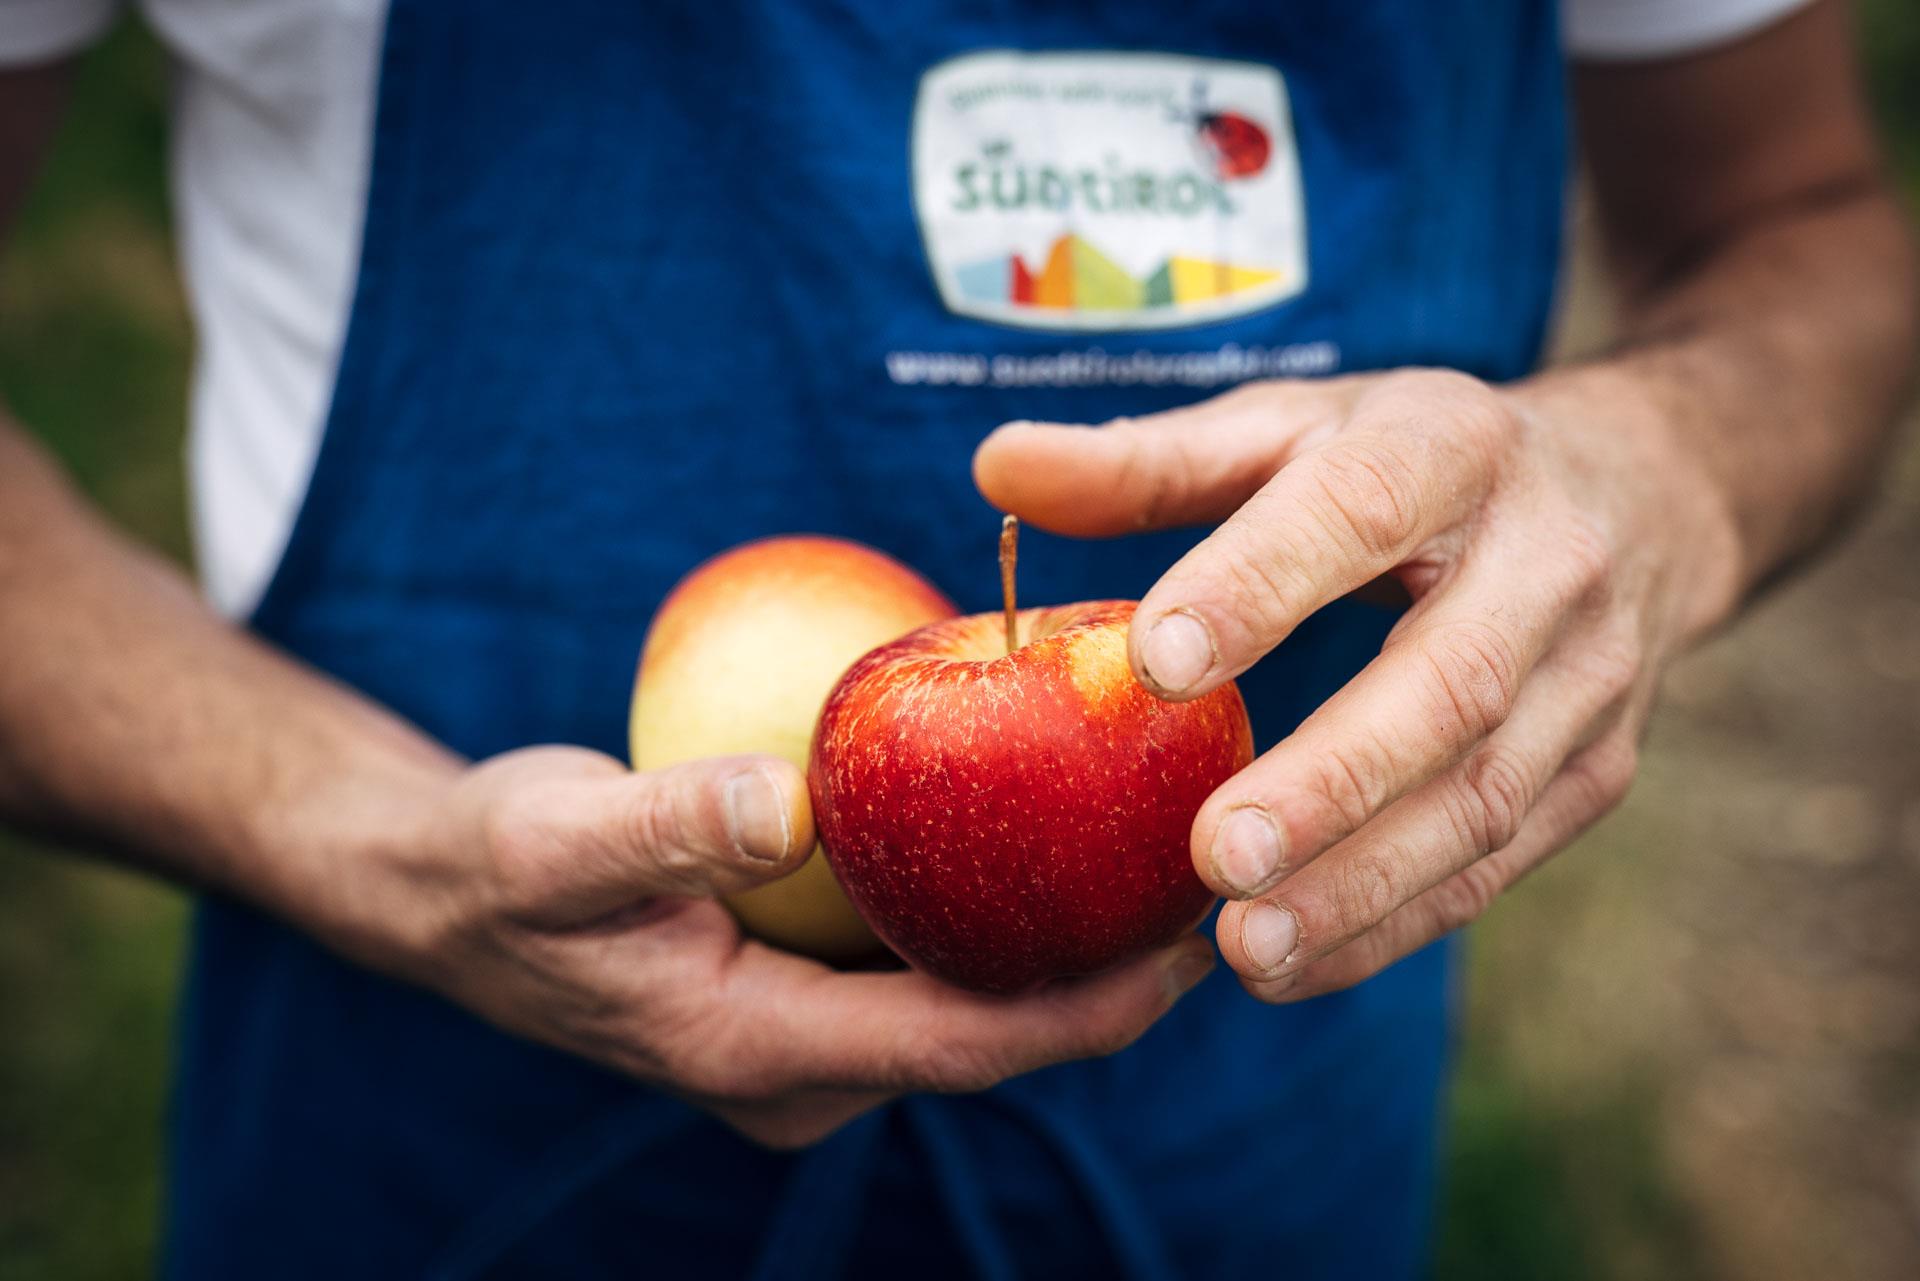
x=33 y=31
x=1628 y=29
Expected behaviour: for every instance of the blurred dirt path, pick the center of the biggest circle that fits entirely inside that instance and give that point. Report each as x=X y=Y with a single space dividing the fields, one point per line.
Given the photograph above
x=1745 y=933
x=1786 y=774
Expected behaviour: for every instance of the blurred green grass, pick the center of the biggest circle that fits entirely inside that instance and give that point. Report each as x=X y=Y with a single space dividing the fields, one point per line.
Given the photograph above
x=93 y=351
x=1544 y=1184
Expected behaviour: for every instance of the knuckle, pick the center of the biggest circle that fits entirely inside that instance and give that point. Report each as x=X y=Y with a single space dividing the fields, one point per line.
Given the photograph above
x=1267 y=593
x=1482 y=421
x=1370 y=888
x=1154 y=466
x=658 y=824
x=1461 y=900
x=1498 y=788
x=1611 y=771
x=1601 y=776
x=1614 y=665
x=1371 y=498
x=1350 y=782
x=1467 y=410
x=1420 y=387
x=523 y=865
x=1588 y=554
x=646 y=823
x=1476 y=676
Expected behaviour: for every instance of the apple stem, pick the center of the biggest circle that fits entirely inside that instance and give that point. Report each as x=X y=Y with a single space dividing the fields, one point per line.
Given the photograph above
x=1009 y=552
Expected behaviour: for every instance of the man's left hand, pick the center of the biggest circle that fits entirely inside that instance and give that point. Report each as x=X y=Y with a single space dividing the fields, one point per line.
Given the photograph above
x=1559 y=546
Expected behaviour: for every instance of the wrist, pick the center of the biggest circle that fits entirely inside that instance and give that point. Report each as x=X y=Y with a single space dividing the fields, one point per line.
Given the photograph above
x=354 y=856
x=1633 y=440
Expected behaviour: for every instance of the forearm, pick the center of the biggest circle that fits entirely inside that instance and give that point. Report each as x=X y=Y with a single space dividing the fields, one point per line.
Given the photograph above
x=1776 y=364
x=1767 y=287
x=136 y=721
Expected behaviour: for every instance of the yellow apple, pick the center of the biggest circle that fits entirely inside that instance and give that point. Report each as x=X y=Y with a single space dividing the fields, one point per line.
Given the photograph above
x=740 y=657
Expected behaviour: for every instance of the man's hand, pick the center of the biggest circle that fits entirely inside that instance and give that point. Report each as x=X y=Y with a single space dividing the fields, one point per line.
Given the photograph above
x=1562 y=537
x=550 y=890
x=568 y=900
x=1554 y=569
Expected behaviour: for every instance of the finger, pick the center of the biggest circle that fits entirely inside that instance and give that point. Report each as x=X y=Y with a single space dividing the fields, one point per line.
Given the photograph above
x=1448 y=677
x=800 y=1026
x=1414 y=460
x=1186 y=466
x=1435 y=832
x=1593 y=782
x=568 y=850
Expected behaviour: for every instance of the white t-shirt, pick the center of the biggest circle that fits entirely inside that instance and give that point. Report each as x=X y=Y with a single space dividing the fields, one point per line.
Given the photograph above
x=272 y=128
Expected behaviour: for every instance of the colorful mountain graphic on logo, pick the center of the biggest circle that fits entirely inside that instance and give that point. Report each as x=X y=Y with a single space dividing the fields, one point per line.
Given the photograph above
x=1078 y=277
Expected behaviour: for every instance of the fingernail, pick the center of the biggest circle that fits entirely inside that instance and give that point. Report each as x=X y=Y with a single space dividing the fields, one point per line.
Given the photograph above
x=1178 y=651
x=1268 y=934
x=757 y=817
x=1185 y=971
x=1247 y=854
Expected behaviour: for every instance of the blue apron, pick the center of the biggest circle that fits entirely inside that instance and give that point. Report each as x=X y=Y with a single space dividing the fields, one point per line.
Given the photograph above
x=630 y=278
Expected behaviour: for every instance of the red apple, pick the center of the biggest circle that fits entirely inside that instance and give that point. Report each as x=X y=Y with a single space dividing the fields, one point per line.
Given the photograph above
x=1005 y=818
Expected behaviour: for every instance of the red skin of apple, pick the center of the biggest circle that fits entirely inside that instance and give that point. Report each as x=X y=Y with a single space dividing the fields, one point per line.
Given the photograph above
x=1003 y=819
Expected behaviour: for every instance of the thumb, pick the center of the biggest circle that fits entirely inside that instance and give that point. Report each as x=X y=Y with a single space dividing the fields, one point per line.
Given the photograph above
x=1187 y=466
x=571 y=849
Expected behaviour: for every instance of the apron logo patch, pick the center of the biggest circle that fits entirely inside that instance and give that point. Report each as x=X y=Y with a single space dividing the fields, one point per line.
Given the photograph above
x=1107 y=191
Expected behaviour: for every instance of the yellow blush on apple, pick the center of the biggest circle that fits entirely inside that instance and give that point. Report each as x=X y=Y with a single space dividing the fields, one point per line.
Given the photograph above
x=740 y=657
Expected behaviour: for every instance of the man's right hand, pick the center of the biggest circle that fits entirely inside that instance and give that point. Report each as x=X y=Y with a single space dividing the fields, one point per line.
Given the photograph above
x=550 y=890
x=568 y=900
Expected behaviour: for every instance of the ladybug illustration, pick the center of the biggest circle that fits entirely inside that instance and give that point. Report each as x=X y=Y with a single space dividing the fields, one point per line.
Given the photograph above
x=1240 y=147
x=1237 y=147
